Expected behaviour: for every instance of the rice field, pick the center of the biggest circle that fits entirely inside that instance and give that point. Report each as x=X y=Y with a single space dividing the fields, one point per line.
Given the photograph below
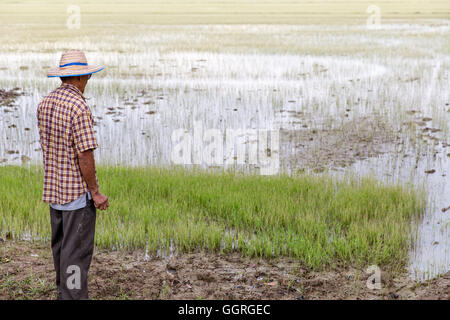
x=321 y=222
x=345 y=99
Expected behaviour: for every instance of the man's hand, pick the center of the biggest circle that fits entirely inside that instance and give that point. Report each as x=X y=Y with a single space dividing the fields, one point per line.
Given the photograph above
x=100 y=200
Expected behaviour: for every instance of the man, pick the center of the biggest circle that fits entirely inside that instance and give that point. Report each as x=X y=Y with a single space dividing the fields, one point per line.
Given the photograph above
x=70 y=183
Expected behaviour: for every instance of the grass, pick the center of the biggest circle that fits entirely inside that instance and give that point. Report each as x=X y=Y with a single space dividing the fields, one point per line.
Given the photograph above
x=320 y=221
x=29 y=288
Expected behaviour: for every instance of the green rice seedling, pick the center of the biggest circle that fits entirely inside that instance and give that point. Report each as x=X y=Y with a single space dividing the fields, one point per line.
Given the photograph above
x=320 y=221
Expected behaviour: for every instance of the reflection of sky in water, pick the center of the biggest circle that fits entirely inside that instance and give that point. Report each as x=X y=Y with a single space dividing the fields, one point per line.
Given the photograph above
x=228 y=91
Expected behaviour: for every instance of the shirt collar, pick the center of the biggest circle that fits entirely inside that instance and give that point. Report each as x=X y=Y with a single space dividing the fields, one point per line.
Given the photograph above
x=71 y=87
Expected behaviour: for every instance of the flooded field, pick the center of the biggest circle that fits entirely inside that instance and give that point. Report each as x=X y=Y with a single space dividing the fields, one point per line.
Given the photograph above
x=343 y=99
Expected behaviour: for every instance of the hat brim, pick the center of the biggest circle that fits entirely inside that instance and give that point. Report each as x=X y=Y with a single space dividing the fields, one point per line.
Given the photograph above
x=73 y=72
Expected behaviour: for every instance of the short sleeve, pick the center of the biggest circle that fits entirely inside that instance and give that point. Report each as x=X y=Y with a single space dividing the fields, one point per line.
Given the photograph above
x=83 y=132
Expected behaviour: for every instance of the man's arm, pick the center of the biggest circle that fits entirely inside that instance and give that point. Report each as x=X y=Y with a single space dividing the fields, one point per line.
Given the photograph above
x=87 y=166
x=85 y=142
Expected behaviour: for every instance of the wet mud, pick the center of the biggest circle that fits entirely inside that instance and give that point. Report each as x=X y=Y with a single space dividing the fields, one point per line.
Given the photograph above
x=26 y=272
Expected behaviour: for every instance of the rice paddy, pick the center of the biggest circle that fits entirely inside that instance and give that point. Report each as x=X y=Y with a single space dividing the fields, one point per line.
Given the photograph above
x=323 y=223
x=345 y=99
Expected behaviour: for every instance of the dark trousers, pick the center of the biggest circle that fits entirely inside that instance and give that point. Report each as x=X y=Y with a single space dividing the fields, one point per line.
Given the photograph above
x=73 y=247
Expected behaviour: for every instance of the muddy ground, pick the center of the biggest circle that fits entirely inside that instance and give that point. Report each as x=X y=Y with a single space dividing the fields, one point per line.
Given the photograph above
x=8 y=97
x=357 y=138
x=26 y=272
x=317 y=149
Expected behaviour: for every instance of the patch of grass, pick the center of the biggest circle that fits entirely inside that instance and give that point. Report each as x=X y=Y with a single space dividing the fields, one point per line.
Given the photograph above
x=28 y=288
x=320 y=221
x=163 y=293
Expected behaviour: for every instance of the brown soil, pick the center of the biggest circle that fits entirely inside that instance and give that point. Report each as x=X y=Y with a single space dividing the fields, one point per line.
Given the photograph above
x=26 y=272
x=318 y=149
x=7 y=97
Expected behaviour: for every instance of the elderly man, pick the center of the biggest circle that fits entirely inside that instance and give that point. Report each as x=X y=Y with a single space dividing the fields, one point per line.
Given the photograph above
x=70 y=183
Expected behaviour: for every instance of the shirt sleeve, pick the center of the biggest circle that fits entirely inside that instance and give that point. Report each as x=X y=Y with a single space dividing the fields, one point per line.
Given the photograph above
x=83 y=132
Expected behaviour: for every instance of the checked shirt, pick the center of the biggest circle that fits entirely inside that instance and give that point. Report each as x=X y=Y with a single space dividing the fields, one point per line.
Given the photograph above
x=66 y=128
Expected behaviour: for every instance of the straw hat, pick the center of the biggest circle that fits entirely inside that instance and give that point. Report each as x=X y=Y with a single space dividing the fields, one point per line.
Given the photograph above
x=73 y=63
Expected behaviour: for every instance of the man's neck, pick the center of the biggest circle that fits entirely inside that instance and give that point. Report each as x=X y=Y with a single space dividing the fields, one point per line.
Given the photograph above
x=75 y=85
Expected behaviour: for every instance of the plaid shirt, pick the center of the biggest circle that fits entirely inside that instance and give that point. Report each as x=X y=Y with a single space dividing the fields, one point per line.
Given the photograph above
x=66 y=128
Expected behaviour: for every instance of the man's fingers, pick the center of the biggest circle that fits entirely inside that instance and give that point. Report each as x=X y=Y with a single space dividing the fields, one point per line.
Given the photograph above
x=99 y=205
x=104 y=205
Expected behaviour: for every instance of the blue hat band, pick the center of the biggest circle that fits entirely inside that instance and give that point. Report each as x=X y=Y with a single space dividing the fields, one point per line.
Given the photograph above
x=73 y=75
x=73 y=64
